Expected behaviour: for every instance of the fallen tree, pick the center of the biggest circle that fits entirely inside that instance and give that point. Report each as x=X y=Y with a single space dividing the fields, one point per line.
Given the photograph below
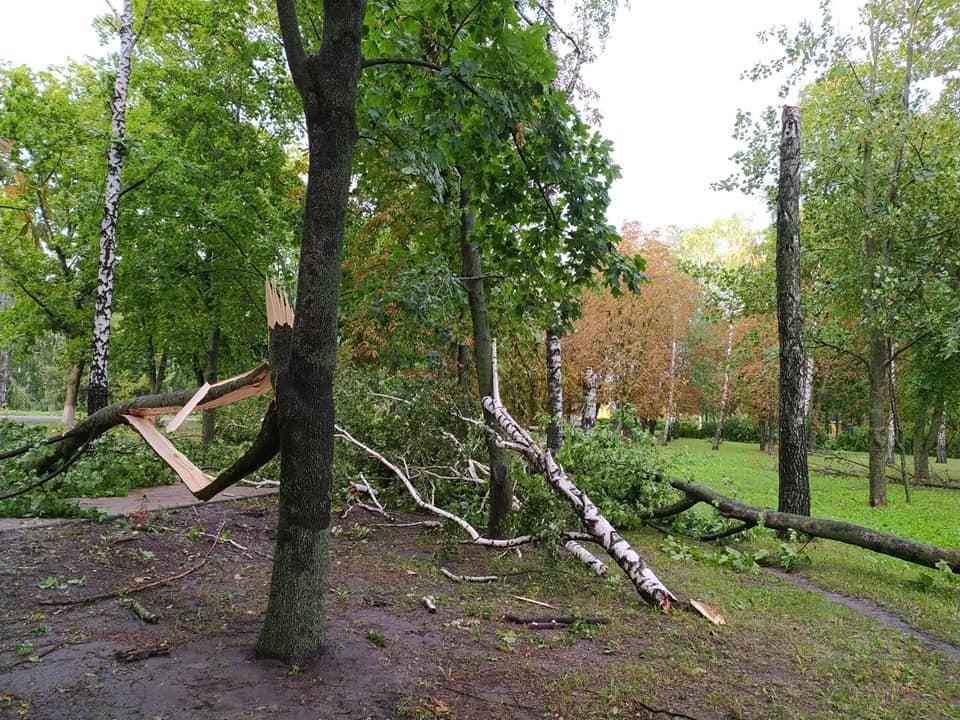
x=875 y=540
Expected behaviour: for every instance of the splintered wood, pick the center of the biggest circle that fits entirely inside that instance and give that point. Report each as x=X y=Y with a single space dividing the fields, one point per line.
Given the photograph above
x=193 y=477
x=279 y=311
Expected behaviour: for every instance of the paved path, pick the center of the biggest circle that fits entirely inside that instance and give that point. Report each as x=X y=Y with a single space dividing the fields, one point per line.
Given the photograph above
x=164 y=497
x=33 y=419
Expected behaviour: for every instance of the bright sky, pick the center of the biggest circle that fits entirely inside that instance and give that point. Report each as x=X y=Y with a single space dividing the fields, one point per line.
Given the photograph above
x=668 y=82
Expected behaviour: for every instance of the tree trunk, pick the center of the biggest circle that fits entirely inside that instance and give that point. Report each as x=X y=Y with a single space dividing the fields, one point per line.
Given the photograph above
x=599 y=528
x=725 y=392
x=672 y=378
x=74 y=375
x=942 y=442
x=924 y=437
x=588 y=414
x=501 y=493
x=881 y=542
x=159 y=374
x=554 y=390
x=211 y=368
x=794 y=495
x=327 y=82
x=97 y=391
x=4 y=376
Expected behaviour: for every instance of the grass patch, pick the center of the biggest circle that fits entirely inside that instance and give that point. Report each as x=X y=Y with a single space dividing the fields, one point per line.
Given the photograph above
x=919 y=596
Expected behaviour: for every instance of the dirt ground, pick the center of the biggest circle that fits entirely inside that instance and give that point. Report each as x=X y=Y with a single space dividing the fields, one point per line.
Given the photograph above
x=386 y=656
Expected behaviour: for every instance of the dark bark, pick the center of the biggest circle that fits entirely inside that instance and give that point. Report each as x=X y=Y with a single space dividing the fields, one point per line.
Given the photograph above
x=554 y=390
x=881 y=542
x=794 y=490
x=501 y=492
x=924 y=437
x=327 y=83
x=74 y=376
x=211 y=368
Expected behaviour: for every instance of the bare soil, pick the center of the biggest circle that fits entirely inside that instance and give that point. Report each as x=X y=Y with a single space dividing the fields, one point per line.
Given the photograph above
x=386 y=656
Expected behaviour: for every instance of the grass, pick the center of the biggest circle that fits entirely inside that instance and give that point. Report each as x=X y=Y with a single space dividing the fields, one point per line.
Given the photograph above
x=921 y=597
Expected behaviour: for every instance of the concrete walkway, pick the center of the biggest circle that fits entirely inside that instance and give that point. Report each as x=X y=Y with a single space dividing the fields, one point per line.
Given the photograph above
x=164 y=497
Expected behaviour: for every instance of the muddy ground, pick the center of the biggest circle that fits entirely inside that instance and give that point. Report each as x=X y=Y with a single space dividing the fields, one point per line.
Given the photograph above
x=386 y=656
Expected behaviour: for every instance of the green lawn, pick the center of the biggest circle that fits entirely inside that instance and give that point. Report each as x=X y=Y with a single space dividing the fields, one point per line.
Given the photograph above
x=917 y=595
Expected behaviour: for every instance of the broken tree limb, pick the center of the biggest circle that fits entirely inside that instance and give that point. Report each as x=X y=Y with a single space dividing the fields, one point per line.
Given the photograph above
x=475 y=537
x=256 y=381
x=264 y=448
x=875 y=540
x=586 y=557
x=468 y=578
x=645 y=581
x=561 y=622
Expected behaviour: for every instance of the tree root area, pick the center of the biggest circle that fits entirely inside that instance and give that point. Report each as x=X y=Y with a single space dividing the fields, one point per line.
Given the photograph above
x=386 y=656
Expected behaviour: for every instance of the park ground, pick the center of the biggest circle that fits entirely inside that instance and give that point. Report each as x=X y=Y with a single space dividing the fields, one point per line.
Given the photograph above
x=785 y=652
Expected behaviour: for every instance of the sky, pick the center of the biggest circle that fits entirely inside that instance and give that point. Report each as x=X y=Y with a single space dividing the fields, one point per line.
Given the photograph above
x=668 y=82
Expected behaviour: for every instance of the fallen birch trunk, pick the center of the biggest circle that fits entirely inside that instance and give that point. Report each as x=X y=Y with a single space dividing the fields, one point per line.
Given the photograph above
x=875 y=540
x=645 y=581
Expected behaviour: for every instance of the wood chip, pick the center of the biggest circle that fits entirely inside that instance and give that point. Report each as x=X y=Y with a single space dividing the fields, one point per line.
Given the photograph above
x=708 y=612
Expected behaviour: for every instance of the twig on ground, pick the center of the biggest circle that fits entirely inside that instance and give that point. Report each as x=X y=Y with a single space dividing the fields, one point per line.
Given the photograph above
x=469 y=578
x=561 y=622
x=534 y=602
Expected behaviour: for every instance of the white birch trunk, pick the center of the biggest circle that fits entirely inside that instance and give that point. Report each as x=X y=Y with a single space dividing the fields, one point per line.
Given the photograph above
x=554 y=390
x=4 y=376
x=668 y=418
x=103 y=303
x=942 y=442
x=588 y=416
x=891 y=425
x=725 y=392
x=601 y=531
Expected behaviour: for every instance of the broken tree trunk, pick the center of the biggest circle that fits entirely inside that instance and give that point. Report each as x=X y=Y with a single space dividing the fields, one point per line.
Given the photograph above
x=875 y=540
x=645 y=581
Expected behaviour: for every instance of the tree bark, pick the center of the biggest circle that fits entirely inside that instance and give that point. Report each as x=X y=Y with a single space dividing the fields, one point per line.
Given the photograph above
x=588 y=415
x=74 y=375
x=881 y=542
x=794 y=492
x=725 y=392
x=877 y=356
x=501 y=492
x=97 y=391
x=211 y=369
x=554 y=390
x=599 y=528
x=942 y=442
x=924 y=436
x=327 y=83
x=672 y=379
x=4 y=376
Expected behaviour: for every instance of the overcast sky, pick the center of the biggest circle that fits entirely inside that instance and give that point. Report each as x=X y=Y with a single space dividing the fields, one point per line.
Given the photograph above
x=668 y=82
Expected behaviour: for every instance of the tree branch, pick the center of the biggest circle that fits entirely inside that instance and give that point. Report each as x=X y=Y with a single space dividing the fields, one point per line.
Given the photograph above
x=293 y=43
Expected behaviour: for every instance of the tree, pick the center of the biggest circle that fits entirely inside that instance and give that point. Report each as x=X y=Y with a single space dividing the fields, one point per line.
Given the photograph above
x=327 y=82
x=794 y=495
x=103 y=301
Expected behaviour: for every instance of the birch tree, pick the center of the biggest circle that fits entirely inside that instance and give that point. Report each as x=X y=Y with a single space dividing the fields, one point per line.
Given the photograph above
x=97 y=390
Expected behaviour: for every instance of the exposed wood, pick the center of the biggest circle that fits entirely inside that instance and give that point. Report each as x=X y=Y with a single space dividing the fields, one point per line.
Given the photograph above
x=192 y=476
x=539 y=603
